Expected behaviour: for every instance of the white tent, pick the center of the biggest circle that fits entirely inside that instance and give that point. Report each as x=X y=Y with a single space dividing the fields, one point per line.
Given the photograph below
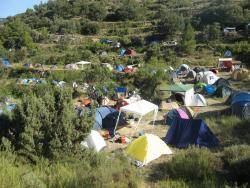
x=199 y=100
x=94 y=141
x=82 y=63
x=207 y=77
x=71 y=66
x=140 y=108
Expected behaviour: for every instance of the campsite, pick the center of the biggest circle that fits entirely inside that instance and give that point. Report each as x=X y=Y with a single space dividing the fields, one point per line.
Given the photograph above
x=127 y=93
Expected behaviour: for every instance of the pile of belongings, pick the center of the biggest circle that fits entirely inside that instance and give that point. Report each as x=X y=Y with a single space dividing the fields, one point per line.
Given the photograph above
x=240 y=74
x=31 y=81
x=186 y=132
x=147 y=148
x=106 y=117
x=240 y=104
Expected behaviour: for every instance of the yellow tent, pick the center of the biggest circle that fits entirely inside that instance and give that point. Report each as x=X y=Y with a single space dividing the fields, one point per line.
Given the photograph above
x=147 y=148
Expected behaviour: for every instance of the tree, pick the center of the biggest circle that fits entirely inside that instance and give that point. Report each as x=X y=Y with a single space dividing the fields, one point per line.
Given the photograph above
x=129 y=10
x=188 y=39
x=213 y=31
x=16 y=34
x=97 y=11
x=170 y=23
x=47 y=125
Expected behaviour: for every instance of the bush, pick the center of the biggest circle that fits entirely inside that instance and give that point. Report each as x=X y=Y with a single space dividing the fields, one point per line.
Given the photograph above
x=88 y=28
x=90 y=170
x=237 y=159
x=193 y=164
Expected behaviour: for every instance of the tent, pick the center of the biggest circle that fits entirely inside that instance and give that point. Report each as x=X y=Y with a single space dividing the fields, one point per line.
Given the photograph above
x=140 y=108
x=221 y=82
x=82 y=63
x=71 y=67
x=122 y=52
x=198 y=100
x=147 y=148
x=240 y=74
x=209 y=89
x=183 y=68
x=191 y=74
x=188 y=111
x=5 y=62
x=131 y=53
x=187 y=91
x=225 y=63
x=106 y=118
x=185 y=132
x=207 y=77
x=223 y=91
x=119 y=68
x=173 y=114
x=94 y=141
x=240 y=105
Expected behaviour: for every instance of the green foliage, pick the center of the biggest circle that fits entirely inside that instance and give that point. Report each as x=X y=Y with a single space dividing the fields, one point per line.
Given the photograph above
x=188 y=39
x=45 y=124
x=15 y=34
x=89 y=170
x=193 y=164
x=213 y=32
x=237 y=159
x=88 y=28
x=97 y=11
x=170 y=23
x=129 y=10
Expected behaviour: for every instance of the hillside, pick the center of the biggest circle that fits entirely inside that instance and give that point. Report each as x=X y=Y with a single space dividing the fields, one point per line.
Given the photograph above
x=69 y=66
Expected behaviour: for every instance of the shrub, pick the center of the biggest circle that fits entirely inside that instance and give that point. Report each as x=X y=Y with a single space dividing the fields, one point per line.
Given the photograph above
x=193 y=164
x=237 y=159
x=88 y=28
x=45 y=124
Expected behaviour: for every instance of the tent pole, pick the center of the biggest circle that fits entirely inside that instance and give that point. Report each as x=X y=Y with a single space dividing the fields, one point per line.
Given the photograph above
x=155 y=115
x=117 y=121
x=138 y=123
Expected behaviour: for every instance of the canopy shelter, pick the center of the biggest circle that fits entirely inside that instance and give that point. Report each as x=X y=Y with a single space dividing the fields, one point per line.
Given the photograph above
x=186 y=90
x=83 y=63
x=140 y=108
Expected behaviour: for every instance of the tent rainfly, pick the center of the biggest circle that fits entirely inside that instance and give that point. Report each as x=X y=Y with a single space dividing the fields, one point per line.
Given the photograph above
x=140 y=108
x=94 y=141
x=147 y=148
x=186 y=90
x=82 y=63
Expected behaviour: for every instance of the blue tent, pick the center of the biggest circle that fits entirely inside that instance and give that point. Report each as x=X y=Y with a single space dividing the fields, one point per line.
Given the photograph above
x=209 y=89
x=241 y=97
x=122 y=52
x=185 y=132
x=121 y=90
x=6 y=62
x=240 y=105
x=101 y=113
x=106 y=119
x=119 y=68
x=228 y=53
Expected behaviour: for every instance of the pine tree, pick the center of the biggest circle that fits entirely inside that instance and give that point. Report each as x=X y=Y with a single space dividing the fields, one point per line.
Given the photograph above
x=188 y=39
